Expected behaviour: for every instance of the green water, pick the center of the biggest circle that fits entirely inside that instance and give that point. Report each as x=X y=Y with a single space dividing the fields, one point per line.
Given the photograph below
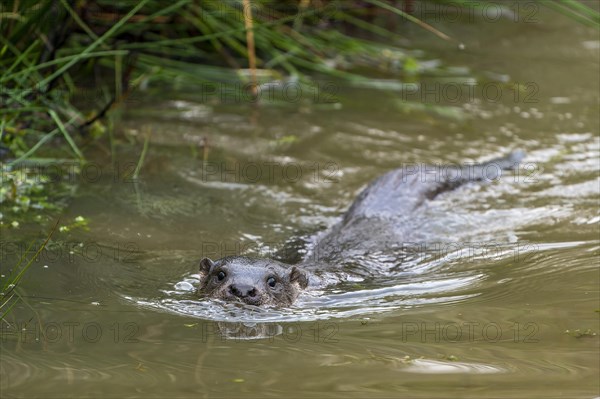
x=482 y=311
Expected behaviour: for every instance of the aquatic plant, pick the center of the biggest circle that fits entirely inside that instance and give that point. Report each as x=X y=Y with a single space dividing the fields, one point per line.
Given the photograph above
x=51 y=50
x=9 y=294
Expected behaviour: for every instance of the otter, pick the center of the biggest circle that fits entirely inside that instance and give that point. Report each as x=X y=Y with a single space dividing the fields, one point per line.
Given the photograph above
x=383 y=216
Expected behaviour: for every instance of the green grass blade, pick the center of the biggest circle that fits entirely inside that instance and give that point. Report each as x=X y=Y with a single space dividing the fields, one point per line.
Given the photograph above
x=66 y=134
x=95 y=44
x=410 y=18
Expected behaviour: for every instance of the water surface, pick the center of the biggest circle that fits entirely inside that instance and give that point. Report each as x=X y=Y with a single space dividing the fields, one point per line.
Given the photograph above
x=499 y=300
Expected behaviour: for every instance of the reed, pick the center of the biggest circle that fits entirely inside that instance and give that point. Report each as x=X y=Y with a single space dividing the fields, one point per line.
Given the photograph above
x=50 y=49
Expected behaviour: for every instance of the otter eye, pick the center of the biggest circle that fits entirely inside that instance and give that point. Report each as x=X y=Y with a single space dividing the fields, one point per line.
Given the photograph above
x=221 y=275
x=271 y=281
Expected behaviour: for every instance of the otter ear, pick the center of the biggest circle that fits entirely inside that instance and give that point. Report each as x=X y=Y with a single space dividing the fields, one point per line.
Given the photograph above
x=205 y=266
x=299 y=277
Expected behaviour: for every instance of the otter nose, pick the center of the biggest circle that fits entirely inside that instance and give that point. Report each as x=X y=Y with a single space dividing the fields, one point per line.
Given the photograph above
x=243 y=290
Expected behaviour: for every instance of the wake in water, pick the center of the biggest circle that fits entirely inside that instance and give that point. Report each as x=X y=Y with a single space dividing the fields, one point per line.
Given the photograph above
x=465 y=236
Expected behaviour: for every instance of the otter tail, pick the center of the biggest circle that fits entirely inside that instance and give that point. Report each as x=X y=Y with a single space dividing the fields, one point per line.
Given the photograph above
x=402 y=190
x=487 y=171
x=492 y=170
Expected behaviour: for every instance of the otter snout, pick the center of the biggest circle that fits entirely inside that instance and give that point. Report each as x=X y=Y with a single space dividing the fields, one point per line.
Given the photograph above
x=243 y=290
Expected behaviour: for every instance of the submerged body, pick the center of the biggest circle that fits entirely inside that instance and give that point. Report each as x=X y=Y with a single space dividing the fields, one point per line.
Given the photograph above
x=384 y=216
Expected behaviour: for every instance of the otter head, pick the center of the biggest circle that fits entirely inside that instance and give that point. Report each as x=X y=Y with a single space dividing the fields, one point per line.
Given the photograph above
x=253 y=281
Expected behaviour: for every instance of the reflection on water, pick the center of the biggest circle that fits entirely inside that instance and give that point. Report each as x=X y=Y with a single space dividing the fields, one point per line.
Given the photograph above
x=512 y=264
